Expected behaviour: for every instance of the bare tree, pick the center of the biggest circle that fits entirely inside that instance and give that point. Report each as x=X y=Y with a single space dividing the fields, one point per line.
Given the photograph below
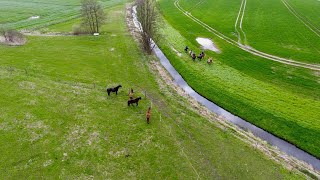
x=147 y=15
x=93 y=15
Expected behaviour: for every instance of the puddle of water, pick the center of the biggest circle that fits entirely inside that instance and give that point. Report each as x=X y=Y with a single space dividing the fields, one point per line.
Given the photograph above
x=207 y=44
x=2 y=39
x=34 y=17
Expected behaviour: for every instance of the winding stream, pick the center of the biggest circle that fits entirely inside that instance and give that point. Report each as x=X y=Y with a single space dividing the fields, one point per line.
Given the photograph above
x=284 y=146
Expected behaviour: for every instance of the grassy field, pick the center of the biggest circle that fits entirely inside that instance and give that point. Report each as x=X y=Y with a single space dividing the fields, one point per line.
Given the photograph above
x=56 y=120
x=268 y=25
x=309 y=9
x=281 y=99
x=16 y=14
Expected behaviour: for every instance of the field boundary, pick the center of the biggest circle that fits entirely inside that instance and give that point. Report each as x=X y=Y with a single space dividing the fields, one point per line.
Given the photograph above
x=315 y=67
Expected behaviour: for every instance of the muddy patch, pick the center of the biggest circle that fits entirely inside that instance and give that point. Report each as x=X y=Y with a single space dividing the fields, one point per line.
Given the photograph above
x=15 y=41
x=2 y=39
x=207 y=44
x=27 y=85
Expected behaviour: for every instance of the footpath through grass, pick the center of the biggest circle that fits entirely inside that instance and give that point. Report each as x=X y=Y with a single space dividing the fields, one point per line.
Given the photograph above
x=56 y=120
x=281 y=99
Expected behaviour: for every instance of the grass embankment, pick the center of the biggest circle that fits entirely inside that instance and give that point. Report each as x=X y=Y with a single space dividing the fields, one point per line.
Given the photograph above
x=268 y=25
x=56 y=119
x=280 y=99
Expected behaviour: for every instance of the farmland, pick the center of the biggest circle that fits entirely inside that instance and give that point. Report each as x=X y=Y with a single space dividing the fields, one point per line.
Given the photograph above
x=57 y=121
x=280 y=98
x=18 y=14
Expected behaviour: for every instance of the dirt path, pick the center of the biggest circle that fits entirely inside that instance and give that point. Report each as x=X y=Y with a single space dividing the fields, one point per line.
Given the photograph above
x=49 y=34
x=249 y=49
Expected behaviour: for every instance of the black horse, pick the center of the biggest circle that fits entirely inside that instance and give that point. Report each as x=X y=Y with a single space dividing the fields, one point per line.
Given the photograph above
x=186 y=49
x=132 y=101
x=115 y=89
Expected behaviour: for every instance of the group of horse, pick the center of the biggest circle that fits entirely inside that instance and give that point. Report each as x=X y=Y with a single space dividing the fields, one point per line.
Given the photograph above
x=200 y=56
x=131 y=100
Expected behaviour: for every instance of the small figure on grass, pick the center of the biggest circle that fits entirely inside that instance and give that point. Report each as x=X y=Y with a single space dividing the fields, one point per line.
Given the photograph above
x=190 y=53
x=193 y=56
x=131 y=94
x=209 y=61
x=201 y=55
x=186 y=49
x=148 y=115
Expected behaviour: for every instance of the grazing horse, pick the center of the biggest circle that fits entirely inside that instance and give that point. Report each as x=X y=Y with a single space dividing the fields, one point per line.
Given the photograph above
x=201 y=55
x=115 y=89
x=193 y=56
x=209 y=60
x=132 y=101
x=186 y=49
x=190 y=52
x=148 y=114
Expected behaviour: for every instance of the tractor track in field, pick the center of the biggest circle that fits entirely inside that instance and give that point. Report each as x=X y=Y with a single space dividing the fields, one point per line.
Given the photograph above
x=249 y=49
x=302 y=19
x=199 y=3
x=241 y=13
x=167 y=76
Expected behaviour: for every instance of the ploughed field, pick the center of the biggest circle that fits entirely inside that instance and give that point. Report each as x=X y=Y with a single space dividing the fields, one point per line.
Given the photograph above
x=278 y=96
x=57 y=121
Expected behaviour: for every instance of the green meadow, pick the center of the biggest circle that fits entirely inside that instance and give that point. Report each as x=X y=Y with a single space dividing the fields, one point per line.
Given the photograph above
x=281 y=99
x=17 y=14
x=57 y=121
x=268 y=25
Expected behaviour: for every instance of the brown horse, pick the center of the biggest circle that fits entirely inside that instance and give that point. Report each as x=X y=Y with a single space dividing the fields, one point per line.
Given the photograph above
x=148 y=114
x=132 y=101
x=201 y=55
x=193 y=56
